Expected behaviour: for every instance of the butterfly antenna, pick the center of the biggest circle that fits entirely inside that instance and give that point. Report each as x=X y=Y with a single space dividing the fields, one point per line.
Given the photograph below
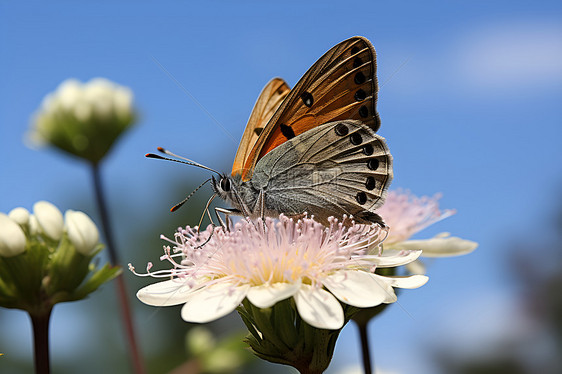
x=170 y=153
x=178 y=205
x=206 y=210
x=182 y=161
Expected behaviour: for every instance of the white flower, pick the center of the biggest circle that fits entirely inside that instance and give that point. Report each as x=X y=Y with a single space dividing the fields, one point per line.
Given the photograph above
x=407 y=214
x=12 y=238
x=82 y=231
x=268 y=262
x=49 y=219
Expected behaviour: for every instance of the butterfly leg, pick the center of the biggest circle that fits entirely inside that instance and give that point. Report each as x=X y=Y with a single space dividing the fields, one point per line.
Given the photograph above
x=227 y=213
x=260 y=203
x=224 y=225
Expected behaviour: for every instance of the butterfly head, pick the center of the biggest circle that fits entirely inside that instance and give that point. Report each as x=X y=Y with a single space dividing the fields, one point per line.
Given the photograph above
x=223 y=187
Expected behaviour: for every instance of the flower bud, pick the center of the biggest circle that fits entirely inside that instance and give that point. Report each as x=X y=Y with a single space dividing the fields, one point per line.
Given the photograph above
x=12 y=238
x=49 y=219
x=19 y=215
x=82 y=231
x=45 y=260
x=83 y=119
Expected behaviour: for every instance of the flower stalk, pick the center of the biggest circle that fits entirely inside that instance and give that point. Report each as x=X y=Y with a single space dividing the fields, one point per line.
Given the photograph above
x=40 y=324
x=122 y=294
x=365 y=349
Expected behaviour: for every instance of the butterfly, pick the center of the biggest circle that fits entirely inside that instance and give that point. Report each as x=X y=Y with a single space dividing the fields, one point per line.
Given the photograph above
x=314 y=148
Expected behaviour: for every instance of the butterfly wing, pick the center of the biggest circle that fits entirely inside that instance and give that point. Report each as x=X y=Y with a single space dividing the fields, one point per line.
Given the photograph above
x=342 y=84
x=268 y=101
x=337 y=168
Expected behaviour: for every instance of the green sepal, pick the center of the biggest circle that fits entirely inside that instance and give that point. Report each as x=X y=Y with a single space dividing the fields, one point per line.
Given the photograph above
x=99 y=277
x=279 y=335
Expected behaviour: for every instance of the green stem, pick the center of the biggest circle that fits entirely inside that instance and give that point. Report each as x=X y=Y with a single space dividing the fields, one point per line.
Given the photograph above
x=40 y=324
x=365 y=352
x=122 y=294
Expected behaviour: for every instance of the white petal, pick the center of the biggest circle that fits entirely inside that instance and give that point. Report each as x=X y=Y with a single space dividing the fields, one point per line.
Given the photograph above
x=12 y=238
x=319 y=308
x=82 y=231
x=170 y=292
x=49 y=218
x=357 y=288
x=441 y=246
x=265 y=296
x=412 y=281
x=392 y=257
x=33 y=225
x=213 y=302
x=19 y=215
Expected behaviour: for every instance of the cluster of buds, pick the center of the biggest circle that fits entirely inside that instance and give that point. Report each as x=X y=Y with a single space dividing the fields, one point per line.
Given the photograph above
x=46 y=258
x=84 y=119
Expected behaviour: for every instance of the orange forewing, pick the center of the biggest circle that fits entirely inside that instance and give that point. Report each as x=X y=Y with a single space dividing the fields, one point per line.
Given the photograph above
x=342 y=84
x=268 y=102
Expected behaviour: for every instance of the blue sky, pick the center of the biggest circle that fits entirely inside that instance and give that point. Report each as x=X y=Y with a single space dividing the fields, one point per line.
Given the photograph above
x=469 y=99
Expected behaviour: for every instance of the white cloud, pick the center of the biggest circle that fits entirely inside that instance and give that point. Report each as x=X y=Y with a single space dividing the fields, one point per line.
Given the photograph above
x=507 y=55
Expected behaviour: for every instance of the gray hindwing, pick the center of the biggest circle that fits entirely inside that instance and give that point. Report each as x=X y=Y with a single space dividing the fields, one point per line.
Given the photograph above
x=337 y=168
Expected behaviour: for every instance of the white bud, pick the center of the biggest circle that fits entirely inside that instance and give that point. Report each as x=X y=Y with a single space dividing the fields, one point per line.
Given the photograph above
x=19 y=215
x=123 y=101
x=12 y=238
x=49 y=219
x=33 y=225
x=69 y=93
x=82 y=231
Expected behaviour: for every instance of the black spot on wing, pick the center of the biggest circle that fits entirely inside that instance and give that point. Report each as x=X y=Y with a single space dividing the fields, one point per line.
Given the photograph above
x=341 y=129
x=361 y=198
x=307 y=99
x=287 y=131
x=363 y=111
x=359 y=78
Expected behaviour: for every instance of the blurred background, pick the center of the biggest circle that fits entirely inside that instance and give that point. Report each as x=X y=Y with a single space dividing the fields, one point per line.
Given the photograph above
x=469 y=98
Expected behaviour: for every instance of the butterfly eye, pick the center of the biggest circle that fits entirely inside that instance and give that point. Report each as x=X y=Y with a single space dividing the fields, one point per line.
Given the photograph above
x=225 y=184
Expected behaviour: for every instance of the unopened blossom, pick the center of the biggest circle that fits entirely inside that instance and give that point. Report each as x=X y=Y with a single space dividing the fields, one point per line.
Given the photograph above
x=45 y=259
x=19 y=215
x=49 y=219
x=406 y=215
x=83 y=119
x=12 y=237
x=268 y=262
x=82 y=231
